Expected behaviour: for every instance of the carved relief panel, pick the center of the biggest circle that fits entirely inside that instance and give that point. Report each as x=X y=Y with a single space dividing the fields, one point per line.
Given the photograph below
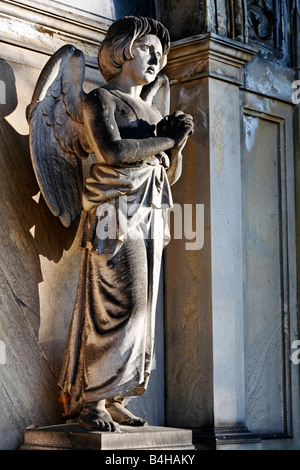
x=269 y=264
x=269 y=26
x=264 y=23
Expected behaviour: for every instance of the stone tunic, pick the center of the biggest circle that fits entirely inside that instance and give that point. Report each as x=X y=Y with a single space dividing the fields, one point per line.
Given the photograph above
x=123 y=232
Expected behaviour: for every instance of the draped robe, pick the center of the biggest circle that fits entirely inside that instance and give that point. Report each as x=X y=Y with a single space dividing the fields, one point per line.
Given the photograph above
x=124 y=228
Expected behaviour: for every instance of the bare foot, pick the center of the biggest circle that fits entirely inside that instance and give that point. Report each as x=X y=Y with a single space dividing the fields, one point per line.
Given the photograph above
x=123 y=416
x=95 y=417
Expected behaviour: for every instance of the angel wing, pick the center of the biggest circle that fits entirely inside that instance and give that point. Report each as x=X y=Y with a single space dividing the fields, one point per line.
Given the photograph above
x=56 y=132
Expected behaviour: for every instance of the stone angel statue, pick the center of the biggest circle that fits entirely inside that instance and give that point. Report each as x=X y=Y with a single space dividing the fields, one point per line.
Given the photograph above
x=123 y=203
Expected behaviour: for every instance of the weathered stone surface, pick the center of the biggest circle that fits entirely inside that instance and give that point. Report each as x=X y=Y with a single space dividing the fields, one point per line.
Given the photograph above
x=227 y=19
x=112 y=333
x=29 y=240
x=269 y=263
x=245 y=271
x=208 y=55
x=32 y=332
x=209 y=314
x=270 y=78
x=73 y=437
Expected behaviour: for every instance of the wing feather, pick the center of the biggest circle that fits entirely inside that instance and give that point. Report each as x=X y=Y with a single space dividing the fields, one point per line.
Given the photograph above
x=57 y=136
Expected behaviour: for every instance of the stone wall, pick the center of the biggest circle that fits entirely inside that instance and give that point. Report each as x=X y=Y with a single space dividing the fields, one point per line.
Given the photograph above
x=235 y=317
x=39 y=257
x=230 y=307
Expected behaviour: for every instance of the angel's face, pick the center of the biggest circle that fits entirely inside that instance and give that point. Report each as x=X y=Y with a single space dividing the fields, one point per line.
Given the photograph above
x=146 y=63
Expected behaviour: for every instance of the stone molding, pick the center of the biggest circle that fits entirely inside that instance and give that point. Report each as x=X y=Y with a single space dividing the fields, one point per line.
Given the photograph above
x=208 y=55
x=232 y=437
x=43 y=29
x=84 y=27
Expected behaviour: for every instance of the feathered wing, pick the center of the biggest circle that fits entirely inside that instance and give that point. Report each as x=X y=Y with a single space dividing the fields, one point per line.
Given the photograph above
x=57 y=136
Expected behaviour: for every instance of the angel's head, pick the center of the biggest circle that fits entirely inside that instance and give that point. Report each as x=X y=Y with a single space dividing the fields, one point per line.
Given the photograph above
x=117 y=46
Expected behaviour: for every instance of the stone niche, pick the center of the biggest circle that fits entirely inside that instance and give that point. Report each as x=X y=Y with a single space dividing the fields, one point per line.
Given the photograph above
x=231 y=306
x=39 y=265
x=39 y=257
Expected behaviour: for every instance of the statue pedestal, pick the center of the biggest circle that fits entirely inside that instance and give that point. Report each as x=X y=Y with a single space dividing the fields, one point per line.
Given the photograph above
x=74 y=437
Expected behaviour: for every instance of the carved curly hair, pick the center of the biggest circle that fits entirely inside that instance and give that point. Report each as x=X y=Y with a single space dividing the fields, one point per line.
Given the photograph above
x=116 y=48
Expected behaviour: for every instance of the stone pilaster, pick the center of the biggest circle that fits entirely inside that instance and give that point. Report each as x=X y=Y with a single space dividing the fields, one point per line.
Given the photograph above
x=205 y=387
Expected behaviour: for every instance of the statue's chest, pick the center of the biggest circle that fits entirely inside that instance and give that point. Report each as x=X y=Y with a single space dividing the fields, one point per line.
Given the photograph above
x=136 y=120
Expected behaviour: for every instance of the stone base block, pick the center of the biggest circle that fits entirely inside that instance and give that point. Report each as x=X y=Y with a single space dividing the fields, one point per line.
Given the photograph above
x=74 y=437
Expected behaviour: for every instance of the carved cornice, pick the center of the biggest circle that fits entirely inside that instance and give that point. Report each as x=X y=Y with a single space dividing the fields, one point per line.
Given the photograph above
x=86 y=27
x=208 y=55
x=42 y=28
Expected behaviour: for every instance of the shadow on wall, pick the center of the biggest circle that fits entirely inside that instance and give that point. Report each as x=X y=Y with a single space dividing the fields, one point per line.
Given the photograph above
x=28 y=230
x=50 y=237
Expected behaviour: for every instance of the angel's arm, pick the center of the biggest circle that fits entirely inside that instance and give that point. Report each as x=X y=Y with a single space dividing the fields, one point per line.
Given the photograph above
x=157 y=94
x=173 y=123
x=105 y=139
x=175 y=169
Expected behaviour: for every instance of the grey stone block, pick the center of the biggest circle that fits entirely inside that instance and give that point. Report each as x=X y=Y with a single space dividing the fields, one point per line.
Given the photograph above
x=74 y=437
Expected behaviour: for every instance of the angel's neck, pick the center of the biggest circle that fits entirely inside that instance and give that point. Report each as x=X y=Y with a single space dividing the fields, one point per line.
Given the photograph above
x=125 y=86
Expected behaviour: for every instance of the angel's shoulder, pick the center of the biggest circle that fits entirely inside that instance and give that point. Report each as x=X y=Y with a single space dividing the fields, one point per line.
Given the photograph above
x=99 y=97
